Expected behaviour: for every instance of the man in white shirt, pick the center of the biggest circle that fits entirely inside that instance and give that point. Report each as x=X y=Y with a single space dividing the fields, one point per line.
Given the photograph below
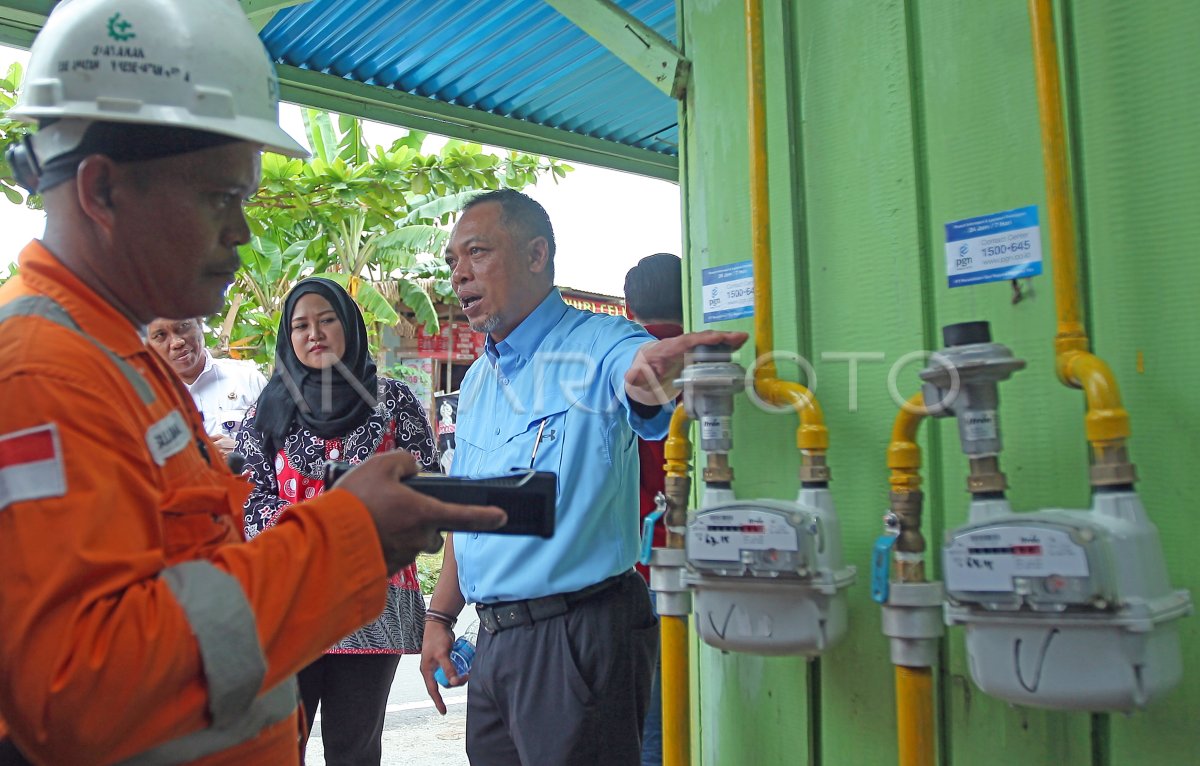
x=222 y=388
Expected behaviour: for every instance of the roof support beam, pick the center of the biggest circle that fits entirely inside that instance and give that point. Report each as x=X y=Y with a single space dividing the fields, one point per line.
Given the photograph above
x=337 y=94
x=260 y=12
x=23 y=16
x=20 y=20
x=649 y=53
x=15 y=34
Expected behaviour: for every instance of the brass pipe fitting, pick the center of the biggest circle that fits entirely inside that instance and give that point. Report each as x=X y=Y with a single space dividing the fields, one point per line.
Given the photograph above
x=907 y=507
x=813 y=468
x=1111 y=465
x=985 y=476
x=677 y=489
x=718 y=471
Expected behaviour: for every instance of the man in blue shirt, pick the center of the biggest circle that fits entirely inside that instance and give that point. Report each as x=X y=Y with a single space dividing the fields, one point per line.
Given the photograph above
x=568 y=636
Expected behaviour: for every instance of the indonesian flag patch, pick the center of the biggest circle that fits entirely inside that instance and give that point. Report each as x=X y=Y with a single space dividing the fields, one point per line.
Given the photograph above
x=31 y=465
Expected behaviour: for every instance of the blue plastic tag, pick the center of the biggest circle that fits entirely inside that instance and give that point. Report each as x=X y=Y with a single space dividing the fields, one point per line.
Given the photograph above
x=881 y=560
x=648 y=536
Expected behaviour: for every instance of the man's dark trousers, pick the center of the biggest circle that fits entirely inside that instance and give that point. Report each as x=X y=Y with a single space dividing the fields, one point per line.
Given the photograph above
x=571 y=690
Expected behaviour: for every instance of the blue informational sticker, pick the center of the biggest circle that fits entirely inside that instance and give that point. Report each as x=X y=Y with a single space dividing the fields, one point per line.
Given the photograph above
x=994 y=248
x=727 y=292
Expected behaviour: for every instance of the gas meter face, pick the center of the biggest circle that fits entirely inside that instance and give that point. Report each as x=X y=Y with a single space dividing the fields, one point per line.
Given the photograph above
x=1044 y=567
x=754 y=540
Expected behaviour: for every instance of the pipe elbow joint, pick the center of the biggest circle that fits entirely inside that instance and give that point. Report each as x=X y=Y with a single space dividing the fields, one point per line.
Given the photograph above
x=1106 y=419
x=783 y=393
x=1106 y=425
x=812 y=438
x=677 y=449
x=904 y=456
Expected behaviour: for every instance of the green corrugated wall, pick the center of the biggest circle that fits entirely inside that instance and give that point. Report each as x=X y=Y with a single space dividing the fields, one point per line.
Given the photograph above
x=888 y=119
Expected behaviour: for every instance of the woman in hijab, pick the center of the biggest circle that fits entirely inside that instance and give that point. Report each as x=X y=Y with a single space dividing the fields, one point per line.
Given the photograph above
x=325 y=402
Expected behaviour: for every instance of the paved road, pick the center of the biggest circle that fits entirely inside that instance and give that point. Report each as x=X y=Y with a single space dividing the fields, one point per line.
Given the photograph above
x=413 y=732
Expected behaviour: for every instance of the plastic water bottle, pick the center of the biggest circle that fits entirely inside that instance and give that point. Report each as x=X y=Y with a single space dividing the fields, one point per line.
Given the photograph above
x=462 y=654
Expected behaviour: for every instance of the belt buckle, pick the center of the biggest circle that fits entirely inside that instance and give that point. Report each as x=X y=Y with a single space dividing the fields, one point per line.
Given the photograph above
x=487 y=618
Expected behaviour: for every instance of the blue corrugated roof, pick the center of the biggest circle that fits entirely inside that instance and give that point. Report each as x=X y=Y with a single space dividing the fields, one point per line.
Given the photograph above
x=519 y=59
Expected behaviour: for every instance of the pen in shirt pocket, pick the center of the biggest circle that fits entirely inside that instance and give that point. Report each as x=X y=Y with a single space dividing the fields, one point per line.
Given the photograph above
x=537 y=441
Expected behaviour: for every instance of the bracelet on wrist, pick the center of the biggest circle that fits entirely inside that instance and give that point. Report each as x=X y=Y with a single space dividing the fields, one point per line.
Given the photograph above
x=444 y=619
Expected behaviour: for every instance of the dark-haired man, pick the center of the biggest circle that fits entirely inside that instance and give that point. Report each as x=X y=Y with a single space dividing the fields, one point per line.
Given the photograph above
x=223 y=389
x=654 y=298
x=567 y=633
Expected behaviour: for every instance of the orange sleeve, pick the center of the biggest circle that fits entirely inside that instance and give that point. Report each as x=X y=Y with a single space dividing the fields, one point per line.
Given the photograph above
x=97 y=658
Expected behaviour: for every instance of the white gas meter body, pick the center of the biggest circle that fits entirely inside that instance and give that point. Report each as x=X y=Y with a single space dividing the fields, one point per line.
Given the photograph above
x=767 y=575
x=1065 y=609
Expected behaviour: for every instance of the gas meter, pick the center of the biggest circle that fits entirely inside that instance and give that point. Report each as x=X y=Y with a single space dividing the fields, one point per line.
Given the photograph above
x=1063 y=609
x=767 y=574
x=1066 y=609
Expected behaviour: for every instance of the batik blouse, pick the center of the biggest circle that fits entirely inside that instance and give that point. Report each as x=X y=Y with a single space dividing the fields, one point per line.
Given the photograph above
x=293 y=474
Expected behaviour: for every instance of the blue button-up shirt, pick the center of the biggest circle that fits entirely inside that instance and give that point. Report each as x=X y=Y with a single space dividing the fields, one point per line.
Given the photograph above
x=563 y=368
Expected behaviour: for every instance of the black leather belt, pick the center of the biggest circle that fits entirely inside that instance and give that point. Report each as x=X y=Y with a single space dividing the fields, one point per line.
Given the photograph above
x=513 y=614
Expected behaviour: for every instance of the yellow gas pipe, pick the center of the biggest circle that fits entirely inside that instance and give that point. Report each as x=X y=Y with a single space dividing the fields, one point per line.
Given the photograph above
x=676 y=705
x=676 y=715
x=677 y=450
x=812 y=437
x=1107 y=422
x=914 y=686
x=914 y=716
x=904 y=454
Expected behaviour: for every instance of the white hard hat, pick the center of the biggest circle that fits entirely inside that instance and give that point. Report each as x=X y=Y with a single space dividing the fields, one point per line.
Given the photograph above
x=194 y=64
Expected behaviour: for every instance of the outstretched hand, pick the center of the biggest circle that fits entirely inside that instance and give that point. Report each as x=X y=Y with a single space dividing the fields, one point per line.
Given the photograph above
x=408 y=521
x=651 y=378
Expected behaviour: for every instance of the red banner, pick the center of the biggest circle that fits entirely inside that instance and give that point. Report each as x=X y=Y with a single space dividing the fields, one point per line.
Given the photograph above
x=596 y=307
x=456 y=342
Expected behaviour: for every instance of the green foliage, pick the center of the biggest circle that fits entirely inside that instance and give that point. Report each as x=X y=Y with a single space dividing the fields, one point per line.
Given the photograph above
x=373 y=219
x=9 y=273
x=12 y=132
x=429 y=569
x=403 y=372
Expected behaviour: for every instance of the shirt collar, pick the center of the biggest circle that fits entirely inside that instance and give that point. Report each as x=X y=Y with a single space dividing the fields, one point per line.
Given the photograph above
x=208 y=367
x=533 y=329
x=42 y=271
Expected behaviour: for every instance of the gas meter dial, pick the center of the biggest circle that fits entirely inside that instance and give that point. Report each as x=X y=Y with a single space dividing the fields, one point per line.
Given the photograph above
x=1043 y=566
x=754 y=540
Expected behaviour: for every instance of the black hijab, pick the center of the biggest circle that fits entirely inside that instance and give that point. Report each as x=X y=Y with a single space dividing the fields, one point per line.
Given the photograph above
x=298 y=394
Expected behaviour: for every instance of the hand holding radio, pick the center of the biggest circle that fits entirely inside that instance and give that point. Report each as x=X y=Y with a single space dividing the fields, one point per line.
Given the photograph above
x=408 y=521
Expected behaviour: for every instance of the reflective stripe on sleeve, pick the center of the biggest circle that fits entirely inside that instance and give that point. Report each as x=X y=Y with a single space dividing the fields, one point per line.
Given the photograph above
x=271 y=708
x=224 y=627
x=234 y=667
x=47 y=308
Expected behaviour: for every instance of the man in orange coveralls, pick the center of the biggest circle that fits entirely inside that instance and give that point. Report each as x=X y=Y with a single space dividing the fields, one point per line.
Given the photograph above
x=135 y=624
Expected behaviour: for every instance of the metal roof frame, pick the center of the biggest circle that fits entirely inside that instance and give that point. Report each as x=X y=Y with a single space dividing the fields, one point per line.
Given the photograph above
x=620 y=33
